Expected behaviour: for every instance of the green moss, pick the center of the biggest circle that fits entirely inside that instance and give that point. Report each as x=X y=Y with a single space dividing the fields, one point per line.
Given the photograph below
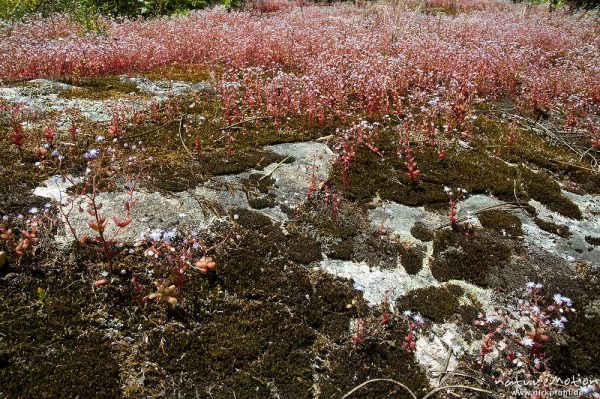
x=262 y=202
x=194 y=73
x=543 y=189
x=46 y=354
x=343 y=250
x=437 y=304
x=501 y=221
x=593 y=240
x=18 y=177
x=468 y=257
x=422 y=232
x=302 y=249
x=349 y=222
x=411 y=258
x=475 y=171
x=348 y=366
x=559 y=230
x=377 y=250
x=469 y=314
x=256 y=339
x=534 y=150
x=100 y=88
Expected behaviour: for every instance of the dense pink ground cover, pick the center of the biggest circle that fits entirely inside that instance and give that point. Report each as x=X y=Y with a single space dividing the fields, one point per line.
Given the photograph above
x=345 y=62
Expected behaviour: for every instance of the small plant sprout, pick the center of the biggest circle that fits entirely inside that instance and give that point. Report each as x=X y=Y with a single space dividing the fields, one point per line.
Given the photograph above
x=175 y=257
x=454 y=204
x=164 y=293
x=415 y=327
x=412 y=172
x=21 y=233
x=107 y=167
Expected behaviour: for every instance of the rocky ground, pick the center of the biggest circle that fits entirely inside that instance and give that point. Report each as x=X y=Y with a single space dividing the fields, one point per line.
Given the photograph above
x=277 y=317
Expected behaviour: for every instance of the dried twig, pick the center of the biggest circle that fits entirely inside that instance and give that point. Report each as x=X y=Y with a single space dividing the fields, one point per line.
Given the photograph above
x=275 y=168
x=457 y=373
x=436 y=390
x=181 y=136
x=135 y=136
x=379 y=380
x=237 y=125
x=505 y=206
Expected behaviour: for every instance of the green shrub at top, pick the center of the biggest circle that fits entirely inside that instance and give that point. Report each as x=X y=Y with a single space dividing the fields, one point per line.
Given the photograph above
x=85 y=10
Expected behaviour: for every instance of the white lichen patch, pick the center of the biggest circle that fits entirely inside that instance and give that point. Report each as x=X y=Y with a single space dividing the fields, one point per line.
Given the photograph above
x=375 y=283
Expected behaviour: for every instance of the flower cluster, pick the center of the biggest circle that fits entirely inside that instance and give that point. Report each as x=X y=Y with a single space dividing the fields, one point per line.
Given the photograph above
x=340 y=63
x=21 y=233
x=381 y=327
x=513 y=345
x=173 y=257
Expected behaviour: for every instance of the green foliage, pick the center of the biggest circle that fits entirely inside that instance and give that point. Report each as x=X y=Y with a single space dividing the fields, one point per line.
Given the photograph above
x=16 y=9
x=87 y=11
x=147 y=8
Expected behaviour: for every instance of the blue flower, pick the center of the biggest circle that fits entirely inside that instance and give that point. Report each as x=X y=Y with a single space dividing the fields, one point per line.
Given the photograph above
x=91 y=153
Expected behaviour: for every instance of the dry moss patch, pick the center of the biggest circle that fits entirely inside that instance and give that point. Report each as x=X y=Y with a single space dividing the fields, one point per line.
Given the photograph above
x=422 y=232
x=550 y=227
x=100 y=88
x=411 y=258
x=536 y=151
x=194 y=73
x=593 y=240
x=437 y=304
x=502 y=222
x=469 y=257
x=474 y=170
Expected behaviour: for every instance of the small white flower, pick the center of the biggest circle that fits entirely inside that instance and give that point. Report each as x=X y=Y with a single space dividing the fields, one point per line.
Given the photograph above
x=417 y=318
x=557 y=323
x=155 y=235
x=100 y=138
x=169 y=235
x=587 y=389
x=33 y=210
x=527 y=342
x=407 y=313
